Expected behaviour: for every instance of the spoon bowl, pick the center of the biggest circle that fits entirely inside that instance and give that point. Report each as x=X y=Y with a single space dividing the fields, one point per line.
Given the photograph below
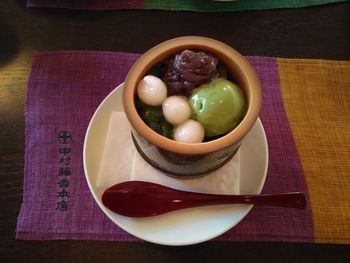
x=145 y=199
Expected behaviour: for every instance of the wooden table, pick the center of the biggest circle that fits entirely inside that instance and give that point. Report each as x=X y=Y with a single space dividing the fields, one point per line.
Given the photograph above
x=316 y=32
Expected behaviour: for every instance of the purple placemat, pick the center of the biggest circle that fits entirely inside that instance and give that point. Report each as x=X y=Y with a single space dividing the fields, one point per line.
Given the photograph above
x=64 y=90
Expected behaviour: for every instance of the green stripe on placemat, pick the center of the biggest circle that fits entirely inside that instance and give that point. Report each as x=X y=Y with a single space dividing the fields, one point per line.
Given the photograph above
x=238 y=5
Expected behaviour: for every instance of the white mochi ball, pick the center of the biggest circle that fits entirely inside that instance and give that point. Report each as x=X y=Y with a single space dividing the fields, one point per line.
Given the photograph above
x=190 y=131
x=176 y=109
x=152 y=90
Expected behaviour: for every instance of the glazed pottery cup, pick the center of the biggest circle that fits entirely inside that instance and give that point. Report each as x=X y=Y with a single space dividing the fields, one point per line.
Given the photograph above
x=190 y=159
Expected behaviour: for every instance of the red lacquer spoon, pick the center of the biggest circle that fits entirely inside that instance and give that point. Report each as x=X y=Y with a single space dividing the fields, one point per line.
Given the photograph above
x=144 y=199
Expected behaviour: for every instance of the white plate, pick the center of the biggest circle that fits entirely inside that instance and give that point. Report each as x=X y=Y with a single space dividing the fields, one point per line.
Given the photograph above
x=183 y=227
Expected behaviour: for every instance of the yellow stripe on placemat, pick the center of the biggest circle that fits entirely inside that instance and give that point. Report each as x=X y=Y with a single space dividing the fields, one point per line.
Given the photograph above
x=316 y=96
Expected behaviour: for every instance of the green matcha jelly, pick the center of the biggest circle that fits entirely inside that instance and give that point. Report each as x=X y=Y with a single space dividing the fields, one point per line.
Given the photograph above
x=153 y=117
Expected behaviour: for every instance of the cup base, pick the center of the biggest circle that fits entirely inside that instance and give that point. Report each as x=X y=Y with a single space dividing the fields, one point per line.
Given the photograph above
x=181 y=175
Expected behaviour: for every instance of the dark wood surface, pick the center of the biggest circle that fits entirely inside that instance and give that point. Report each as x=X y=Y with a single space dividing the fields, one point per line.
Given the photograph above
x=317 y=32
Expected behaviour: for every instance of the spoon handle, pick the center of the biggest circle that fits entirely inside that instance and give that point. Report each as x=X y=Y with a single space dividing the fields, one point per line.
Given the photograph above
x=292 y=199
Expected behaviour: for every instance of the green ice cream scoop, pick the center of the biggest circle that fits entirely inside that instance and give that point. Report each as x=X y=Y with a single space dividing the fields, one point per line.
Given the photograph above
x=219 y=106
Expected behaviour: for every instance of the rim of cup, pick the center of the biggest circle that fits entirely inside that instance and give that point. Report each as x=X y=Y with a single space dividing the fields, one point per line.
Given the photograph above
x=239 y=70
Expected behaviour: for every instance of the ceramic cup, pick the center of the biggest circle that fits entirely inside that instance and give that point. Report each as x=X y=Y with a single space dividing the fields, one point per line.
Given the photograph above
x=190 y=159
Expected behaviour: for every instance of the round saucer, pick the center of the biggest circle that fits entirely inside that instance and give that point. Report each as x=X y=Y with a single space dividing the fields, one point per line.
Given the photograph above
x=183 y=227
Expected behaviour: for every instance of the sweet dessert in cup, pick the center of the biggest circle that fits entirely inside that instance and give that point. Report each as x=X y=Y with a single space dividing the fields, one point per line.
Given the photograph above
x=190 y=102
